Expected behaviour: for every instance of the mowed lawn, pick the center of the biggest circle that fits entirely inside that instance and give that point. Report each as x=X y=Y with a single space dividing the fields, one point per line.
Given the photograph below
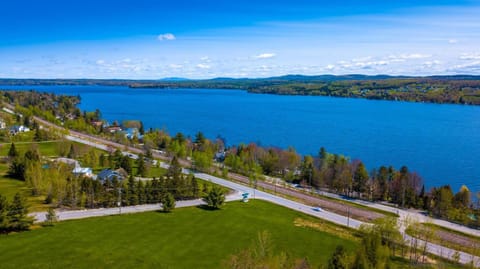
x=187 y=238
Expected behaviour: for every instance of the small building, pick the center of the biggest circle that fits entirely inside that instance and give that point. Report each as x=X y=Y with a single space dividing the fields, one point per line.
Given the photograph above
x=130 y=133
x=113 y=129
x=83 y=171
x=109 y=174
x=9 y=111
x=18 y=129
x=3 y=125
x=68 y=161
x=220 y=156
x=97 y=123
x=77 y=169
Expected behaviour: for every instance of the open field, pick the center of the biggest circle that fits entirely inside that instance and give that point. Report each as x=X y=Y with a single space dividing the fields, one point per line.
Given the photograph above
x=186 y=238
x=46 y=148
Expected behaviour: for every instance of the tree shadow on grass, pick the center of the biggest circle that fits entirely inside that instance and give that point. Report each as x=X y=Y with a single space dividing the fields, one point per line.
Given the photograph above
x=164 y=212
x=207 y=208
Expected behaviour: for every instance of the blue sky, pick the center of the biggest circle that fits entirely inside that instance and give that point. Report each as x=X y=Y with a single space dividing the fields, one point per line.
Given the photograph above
x=203 y=39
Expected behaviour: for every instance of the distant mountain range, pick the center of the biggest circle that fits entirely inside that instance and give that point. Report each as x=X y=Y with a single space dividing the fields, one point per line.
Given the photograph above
x=286 y=78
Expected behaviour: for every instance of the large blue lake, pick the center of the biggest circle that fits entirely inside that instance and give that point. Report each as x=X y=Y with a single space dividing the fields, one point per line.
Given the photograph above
x=440 y=142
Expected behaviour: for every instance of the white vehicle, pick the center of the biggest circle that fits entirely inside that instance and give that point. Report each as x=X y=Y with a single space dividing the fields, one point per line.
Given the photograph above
x=318 y=209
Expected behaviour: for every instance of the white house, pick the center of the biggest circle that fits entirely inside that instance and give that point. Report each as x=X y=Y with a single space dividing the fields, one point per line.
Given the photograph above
x=83 y=171
x=18 y=129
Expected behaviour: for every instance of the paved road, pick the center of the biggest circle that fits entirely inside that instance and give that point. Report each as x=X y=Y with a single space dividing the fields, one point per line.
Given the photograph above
x=256 y=194
x=335 y=218
x=100 y=212
x=409 y=214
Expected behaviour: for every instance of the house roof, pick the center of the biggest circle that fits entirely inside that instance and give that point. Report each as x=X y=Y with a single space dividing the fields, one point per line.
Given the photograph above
x=69 y=161
x=109 y=174
x=82 y=170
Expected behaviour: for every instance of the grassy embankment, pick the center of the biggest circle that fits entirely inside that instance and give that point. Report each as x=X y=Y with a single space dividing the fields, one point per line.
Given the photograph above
x=187 y=238
x=451 y=238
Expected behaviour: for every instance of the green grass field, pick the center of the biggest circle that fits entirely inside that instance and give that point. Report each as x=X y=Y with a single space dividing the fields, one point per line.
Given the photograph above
x=46 y=148
x=187 y=238
x=9 y=187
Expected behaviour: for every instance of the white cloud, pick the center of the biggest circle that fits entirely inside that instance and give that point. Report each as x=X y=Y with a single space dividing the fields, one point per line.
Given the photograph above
x=452 y=41
x=100 y=62
x=203 y=66
x=412 y=56
x=166 y=36
x=330 y=67
x=468 y=68
x=265 y=56
x=416 y=56
x=362 y=59
x=470 y=56
x=175 y=66
x=430 y=64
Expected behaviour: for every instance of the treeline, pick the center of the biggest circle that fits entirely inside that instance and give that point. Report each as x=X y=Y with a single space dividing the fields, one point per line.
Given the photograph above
x=434 y=89
x=451 y=90
x=413 y=90
x=333 y=172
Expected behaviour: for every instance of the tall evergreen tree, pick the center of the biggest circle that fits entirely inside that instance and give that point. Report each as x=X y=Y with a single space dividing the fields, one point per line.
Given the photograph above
x=3 y=214
x=194 y=186
x=126 y=163
x=141 y=167
x=18 y=214
x=12 y=152
x=141 y=192
x=168 y=202
x=175 y=170
x=132 y=196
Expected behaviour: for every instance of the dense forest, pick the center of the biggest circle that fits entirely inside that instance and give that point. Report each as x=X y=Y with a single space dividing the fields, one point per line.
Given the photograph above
x=434 y=89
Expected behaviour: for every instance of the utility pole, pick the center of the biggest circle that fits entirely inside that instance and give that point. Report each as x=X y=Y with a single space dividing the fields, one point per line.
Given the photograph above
x=119 y=202
x=348 y=216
